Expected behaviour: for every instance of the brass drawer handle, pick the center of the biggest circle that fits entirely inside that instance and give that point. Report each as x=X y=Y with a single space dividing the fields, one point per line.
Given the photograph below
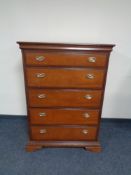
x=41 y=96
x=42 y=114
x=43 y=131
x=92 y=59
x=85 y=131
x=40 y=75
x=86 y=115
x=40 y=58
x=90 y=76
x=88 y=97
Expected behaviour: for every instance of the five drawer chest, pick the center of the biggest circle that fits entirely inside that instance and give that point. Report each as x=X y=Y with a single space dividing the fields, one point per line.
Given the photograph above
x=64 y=86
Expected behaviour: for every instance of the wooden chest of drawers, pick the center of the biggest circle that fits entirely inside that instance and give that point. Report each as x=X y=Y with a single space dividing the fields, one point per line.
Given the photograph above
x=64 y=89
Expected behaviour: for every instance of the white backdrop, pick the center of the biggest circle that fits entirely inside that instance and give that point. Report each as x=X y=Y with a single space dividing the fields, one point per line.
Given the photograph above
x=78 y=21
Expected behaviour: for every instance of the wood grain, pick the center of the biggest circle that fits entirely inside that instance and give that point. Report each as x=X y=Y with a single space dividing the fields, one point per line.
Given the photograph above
x=64 y=98
x=65 y=59
x=63 y=133
x=64 y=86
x=63 y=116
x=65 y=78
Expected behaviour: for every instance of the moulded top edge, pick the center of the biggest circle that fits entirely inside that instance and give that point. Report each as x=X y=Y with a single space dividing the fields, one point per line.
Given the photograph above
x=65 y=46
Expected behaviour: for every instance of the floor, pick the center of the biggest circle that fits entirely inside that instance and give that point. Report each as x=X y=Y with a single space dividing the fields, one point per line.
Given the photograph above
x=115 y=159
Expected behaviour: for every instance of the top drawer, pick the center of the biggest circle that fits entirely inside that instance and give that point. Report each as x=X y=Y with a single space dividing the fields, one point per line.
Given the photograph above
x=41 y=58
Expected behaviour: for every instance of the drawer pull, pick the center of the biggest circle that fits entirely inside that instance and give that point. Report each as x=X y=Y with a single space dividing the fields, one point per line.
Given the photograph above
x=92 y=59
x=40 y=58
x=90 y=76
x=88 y=97
x=43 y=131
x=41 y=96
x=42 y=114
x=86 y=115
x=40 y=75
x=85 y=131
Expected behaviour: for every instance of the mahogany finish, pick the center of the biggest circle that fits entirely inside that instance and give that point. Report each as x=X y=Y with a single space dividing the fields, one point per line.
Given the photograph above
x=64 y=98
x=65 y=78
x=61 y=133
x=58 y=58
x=64 y=116
x=64 y=86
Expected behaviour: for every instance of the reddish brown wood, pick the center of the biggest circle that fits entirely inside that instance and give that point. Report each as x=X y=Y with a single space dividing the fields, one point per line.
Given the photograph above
x=65 y=87
x=63 y=116
x=66 y=46
x=64 y=98
x=65 y=78
x=33 y=147
x=95 y=149
x=63 y=133
x=65 y=59
x=93 y=146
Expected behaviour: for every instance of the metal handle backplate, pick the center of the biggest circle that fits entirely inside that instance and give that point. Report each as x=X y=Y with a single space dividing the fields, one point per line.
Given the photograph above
x=43 y=131
x=92 y=59
x=86 y=115
x=88 y=97
x=41 y=96
x=42 y=114
x=85 y=131
x=40 y=75
x=40 y=58
x=90 y=76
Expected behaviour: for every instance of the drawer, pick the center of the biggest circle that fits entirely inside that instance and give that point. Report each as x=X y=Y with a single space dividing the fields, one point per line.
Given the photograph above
x=41 y=58
x=63 y=133
x=65 y=98
x=65 y=78
x=63 y=116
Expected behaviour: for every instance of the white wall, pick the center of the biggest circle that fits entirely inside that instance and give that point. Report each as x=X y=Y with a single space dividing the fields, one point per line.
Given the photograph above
x=80 y=21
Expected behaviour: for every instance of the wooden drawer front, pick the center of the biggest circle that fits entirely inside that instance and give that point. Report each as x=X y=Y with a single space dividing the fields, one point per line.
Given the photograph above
x=65 y=59
x=65 y=98
x=71 y=78
x=63 y=116
x=63 y=133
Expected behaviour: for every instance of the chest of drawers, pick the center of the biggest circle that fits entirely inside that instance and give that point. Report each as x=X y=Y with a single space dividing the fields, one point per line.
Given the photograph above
x=64 y=86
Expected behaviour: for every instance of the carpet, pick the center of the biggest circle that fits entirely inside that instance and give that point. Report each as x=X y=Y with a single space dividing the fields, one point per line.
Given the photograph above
x=115 y=158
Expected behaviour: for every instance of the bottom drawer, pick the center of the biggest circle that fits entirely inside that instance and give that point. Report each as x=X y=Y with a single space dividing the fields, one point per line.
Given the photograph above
x=63 y=133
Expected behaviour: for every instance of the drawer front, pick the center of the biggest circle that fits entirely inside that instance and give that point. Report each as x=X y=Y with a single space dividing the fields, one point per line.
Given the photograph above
x=65 y=98
x=65 y=59
x=63 y=133
x=65 y=78
x=63 y=116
